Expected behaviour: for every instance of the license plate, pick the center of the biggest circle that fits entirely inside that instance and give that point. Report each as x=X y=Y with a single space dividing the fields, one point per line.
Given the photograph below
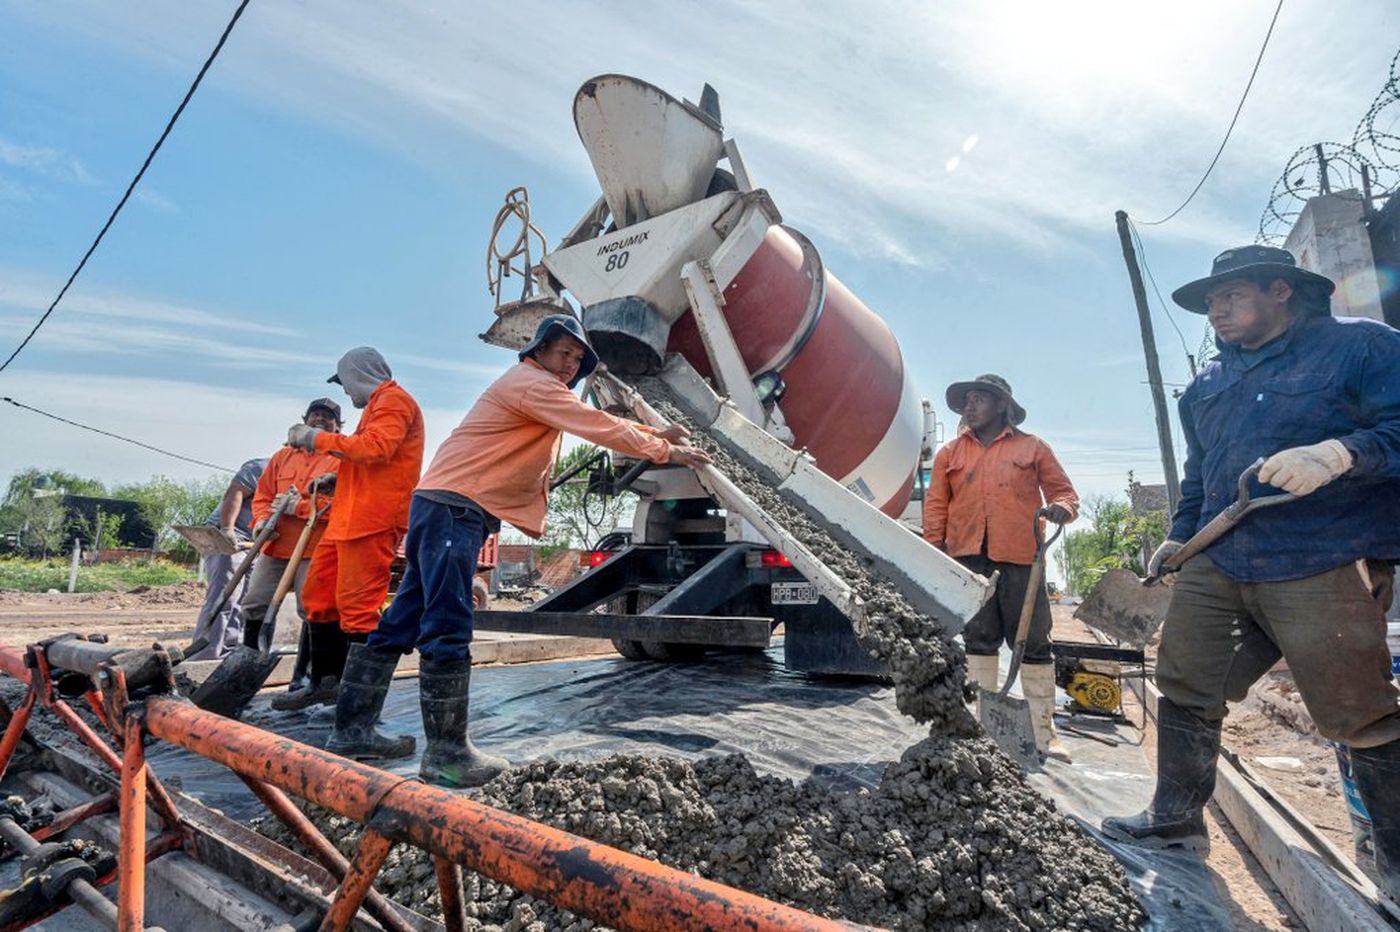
x=793 y=593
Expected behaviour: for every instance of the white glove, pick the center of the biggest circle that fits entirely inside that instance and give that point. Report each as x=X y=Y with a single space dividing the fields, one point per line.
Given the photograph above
x=1302 y=470
x=300 y=435
x=230 y=534
x=1161 y=555
x=291 y=498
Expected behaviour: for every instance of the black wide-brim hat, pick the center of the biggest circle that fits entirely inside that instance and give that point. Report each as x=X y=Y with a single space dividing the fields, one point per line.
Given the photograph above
x=956 y=396
x=1248 y=261
x=563 y=323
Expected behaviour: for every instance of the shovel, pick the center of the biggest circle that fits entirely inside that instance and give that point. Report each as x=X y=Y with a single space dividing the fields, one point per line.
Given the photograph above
x=1129 y=609
x=234 y=682
x=1008 y=720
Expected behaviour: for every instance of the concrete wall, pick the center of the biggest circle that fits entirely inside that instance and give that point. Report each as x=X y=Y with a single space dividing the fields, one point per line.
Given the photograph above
x=1330 y=238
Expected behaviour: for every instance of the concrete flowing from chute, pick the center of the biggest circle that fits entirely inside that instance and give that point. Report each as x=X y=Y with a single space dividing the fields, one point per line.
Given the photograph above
x=953 y=837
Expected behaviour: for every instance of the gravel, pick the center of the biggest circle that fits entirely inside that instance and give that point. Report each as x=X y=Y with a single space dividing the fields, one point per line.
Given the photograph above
x=953 y=837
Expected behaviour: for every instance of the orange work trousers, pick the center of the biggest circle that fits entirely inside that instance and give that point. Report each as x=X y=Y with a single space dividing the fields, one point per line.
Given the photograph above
x=348 y=581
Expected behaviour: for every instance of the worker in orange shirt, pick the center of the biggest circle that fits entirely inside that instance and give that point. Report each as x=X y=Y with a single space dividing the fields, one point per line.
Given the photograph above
x=290 y=472
x=348 y=581
x=495 y=466
x=985 y=488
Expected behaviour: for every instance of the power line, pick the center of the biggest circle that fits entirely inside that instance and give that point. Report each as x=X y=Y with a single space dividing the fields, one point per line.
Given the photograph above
x=108 y=433
x=131 y=187
x=1231 y=129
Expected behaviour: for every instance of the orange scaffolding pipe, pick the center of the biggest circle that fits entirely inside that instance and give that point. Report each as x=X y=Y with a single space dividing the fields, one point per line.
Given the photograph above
x=605 y=884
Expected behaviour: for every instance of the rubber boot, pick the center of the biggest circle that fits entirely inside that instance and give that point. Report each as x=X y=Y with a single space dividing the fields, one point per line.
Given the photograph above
x=326 y=665
x=1187 y=748
x=301 y=670
x=363 y=688
x=1377 y=775
x=982 y=671
x=1038 y=686
x=451 y=759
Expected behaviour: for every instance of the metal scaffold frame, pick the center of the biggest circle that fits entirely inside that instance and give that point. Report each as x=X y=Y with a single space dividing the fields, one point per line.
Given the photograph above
x=132 y=694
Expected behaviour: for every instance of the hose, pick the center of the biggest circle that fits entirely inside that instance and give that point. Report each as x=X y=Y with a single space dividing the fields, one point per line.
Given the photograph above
x=500 y=263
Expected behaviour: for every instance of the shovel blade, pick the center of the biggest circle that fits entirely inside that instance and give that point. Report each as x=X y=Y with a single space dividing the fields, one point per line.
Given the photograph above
x=235 y=681
x=1124 y=609
x=1007 y=721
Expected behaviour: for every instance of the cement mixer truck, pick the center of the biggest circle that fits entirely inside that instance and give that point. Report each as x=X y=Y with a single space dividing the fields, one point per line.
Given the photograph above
x=690 y=285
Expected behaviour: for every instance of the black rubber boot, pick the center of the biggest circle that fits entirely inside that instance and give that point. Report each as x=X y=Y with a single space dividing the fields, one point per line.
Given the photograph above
x=1377 y=775
x=327 y=662
x=1187 y=748
x=451 y=759
x=301 y=670
x=363 y=688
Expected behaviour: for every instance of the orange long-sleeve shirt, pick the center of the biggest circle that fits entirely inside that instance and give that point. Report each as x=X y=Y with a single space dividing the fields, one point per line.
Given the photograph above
x=379 y=465
x=287 y=467
x=503 y=452
x=991 y=493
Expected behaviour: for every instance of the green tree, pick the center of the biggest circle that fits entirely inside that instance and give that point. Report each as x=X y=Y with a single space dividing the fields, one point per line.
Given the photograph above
x=577 y=517
x=1115 y=538
x=32 y=516
x=165 y=502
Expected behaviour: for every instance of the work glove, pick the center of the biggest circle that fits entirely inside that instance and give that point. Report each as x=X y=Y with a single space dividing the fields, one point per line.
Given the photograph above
x=291 y=498
x=324 y=483
x=1302 y=470
x=1161 y=555
x=300 y=435
x=1058 y=514
x=230 y=534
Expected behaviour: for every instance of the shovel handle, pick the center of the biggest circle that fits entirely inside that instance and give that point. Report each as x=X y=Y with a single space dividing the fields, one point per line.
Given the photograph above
x=1222 y=523
x=289 y=575
x=1033 y=585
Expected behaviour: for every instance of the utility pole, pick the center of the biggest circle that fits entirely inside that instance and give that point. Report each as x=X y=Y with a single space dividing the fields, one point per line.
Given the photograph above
x=1154 y=369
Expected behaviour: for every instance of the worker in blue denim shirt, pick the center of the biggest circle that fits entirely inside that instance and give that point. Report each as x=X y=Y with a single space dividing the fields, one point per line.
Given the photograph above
x=1318 y=398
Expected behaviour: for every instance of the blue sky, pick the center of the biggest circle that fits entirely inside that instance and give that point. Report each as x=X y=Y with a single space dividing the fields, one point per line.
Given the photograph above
x=333 y=183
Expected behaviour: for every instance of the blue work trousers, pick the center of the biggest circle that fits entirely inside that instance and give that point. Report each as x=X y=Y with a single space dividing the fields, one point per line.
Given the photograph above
x=432 y=610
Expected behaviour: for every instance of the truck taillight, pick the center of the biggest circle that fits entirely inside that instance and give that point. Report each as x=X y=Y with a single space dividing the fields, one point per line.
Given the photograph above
x=771 y=559
x=595 y=557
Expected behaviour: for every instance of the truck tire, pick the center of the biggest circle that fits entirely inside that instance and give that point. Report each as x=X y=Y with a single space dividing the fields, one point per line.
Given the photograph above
x=481 y=594
x=632 y=650
x=673 y=652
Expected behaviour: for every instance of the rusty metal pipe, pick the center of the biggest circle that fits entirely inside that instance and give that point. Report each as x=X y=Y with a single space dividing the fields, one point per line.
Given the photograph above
x=131 y=856
x=14 y=731
x=622 y=890
x=324 y=852
x=369 y=857
x=450 y=894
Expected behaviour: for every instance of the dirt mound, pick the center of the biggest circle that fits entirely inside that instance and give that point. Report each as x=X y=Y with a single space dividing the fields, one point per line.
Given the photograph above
x=175 y=595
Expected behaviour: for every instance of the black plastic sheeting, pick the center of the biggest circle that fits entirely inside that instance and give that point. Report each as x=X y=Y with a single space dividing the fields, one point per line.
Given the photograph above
x=839 y=732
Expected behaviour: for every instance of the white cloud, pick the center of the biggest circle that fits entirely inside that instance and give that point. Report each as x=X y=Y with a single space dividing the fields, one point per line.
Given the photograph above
x=44 y=161
x=155 y=200
x=1079 y=110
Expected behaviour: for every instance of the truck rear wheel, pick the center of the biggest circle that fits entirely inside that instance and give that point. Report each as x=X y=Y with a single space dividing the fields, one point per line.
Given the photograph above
x=673 y=652
x=632 y=650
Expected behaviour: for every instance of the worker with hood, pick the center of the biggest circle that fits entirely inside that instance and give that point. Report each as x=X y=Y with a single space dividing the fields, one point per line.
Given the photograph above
x=1317 y=398
x=495 y=466
x=348 y=580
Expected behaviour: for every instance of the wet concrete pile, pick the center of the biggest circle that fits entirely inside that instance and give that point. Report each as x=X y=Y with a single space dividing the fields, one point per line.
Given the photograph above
x=954 y=837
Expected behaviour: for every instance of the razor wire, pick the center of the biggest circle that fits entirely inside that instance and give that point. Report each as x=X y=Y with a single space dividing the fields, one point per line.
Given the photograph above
x=1368 y=165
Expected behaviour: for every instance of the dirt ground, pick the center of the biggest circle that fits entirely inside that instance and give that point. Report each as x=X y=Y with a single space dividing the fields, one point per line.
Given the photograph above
x=129 y=619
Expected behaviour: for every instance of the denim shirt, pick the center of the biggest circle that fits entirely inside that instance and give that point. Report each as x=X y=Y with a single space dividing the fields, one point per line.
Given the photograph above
x=1325 y=378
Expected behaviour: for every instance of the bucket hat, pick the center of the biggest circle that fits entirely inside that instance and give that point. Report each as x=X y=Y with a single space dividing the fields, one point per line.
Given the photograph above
x=995 y=384
x=1247 y=261
x=556 y=323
